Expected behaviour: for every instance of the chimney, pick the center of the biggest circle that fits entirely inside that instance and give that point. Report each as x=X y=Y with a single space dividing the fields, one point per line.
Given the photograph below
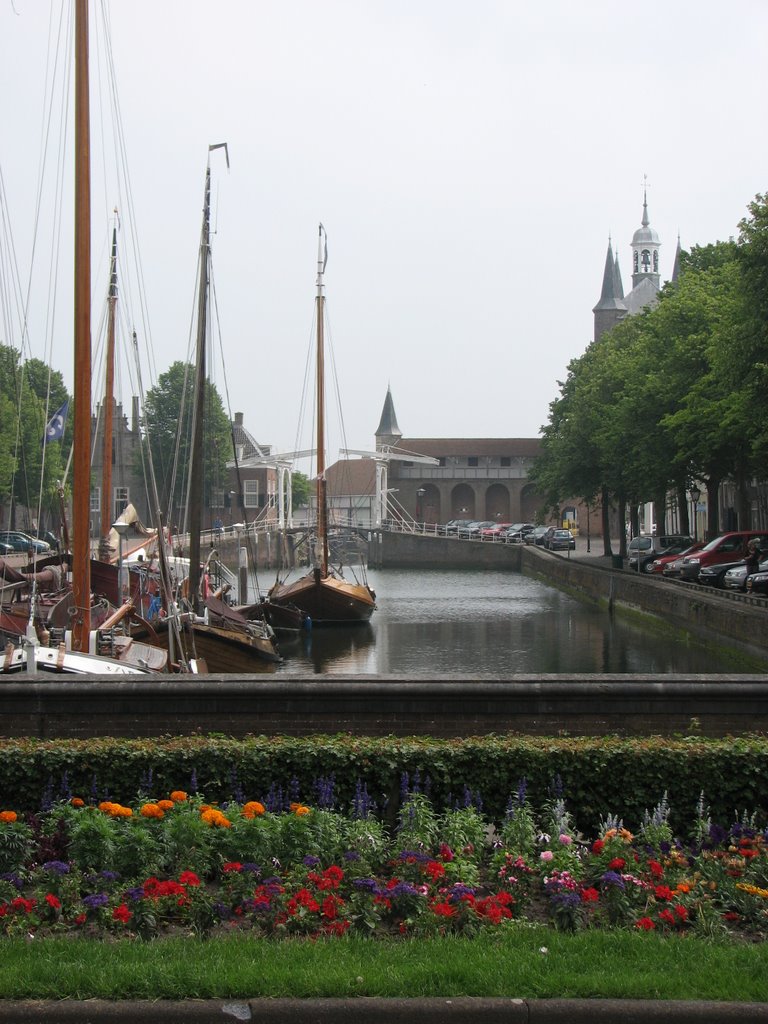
x=238 y=419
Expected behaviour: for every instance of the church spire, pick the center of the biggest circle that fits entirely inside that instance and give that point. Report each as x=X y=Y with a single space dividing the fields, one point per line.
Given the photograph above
x=610 y=307
x=645 y=249
x=388 y=432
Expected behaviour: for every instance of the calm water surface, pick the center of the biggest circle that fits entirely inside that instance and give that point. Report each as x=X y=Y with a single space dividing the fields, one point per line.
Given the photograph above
x=488 y=623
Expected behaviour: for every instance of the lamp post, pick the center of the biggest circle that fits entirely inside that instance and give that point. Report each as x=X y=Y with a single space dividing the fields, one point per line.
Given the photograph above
x=695 y=495
x=122 y=587
x=420 y=505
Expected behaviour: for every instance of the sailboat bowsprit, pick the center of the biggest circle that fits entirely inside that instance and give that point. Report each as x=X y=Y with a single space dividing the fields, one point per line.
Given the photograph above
x=324 y=594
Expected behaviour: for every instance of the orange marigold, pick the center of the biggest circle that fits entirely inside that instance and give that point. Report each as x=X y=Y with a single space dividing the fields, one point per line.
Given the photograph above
x=178 y=796
x=8 y=816
x=152 y=811
x=253 y=809
x=213 y=817
x=301 y=810
x=165 y=805
x=77 y=802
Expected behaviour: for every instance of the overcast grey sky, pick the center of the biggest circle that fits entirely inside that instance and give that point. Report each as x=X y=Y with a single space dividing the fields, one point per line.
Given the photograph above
x=468 y=161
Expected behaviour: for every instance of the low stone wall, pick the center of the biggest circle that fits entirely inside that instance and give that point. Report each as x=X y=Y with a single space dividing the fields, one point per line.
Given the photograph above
x=409 y=551
x=712 y=615
x=383 y=705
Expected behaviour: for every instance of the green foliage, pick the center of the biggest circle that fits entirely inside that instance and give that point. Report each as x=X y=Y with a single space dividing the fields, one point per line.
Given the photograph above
x=168 y=418
x=301 y=487
x=598 y=775
x=15 y=845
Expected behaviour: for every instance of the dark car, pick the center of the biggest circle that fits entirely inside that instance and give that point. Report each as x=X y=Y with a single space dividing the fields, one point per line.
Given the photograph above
x=23 y=542
x=5 y=549
x=473 y=529
x=518 y=533
x=560 y=540
x=454 y=525
x=537 y=535
x=648 y=549
x=728 y=547
x=48 y=536
x=757 y=583
x=714 y=575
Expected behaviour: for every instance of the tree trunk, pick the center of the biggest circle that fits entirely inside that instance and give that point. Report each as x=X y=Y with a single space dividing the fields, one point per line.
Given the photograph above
x=622 y=527
x=713 y=507
x=606 y=518
x=682 y=508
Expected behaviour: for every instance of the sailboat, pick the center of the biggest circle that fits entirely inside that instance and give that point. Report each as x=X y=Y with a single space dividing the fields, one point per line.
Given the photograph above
x=323 y=593
x=78 y=656
x=218 y=636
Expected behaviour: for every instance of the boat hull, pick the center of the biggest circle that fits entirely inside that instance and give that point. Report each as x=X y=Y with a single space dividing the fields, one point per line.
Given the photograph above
x=327 y=600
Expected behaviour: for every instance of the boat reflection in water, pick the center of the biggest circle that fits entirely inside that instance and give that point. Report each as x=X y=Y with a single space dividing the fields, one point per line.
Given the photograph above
x=442 y=623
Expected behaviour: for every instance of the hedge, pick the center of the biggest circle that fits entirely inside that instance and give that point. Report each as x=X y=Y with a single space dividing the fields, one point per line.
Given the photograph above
x=597 y=776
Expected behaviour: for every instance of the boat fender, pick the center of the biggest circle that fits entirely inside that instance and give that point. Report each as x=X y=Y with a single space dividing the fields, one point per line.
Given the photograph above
x=308 y=624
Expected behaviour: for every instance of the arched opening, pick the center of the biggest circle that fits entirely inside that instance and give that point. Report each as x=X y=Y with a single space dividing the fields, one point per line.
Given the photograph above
x=497 y=504
x=462 y=502
x=431 y=510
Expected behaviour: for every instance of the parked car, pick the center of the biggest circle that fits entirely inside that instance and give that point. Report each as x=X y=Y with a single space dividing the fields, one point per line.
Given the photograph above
x=728 y=547
x=48 y=536
x=659 y=565
x=495 y=532
x=537 y=535
x=736 y=578
x=517 y=533
x=560 y=540
x=5 y=549
x=23 y=542
x=714 y=575
x=757 y=583
x=454 y=525
x=473 y=529
x=647 y=549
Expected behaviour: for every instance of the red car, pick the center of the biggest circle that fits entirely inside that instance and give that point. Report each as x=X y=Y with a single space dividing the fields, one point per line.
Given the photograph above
x=658 y=565
x=728 y=547
x=494 y=532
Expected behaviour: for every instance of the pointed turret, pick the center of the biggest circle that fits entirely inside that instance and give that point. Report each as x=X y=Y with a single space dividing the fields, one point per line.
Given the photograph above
x=676 y=265
x=388 y=432
x=645 y=250
x=610 y=307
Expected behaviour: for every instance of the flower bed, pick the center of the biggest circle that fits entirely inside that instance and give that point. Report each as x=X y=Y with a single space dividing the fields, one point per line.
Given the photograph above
x=161 y=865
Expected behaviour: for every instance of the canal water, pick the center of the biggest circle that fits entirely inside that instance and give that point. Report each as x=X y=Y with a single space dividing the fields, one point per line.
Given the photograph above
x=453 y=622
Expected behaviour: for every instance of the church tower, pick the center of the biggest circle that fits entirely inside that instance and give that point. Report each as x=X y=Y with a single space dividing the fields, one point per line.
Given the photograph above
x=645 y=251
x=610 y=307
x=387 y=432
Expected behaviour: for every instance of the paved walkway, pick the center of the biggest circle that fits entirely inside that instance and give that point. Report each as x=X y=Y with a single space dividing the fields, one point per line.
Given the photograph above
x=384 y=1011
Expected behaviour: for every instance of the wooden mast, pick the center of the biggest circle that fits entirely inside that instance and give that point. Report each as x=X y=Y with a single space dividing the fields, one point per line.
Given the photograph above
x=322 y=508
x=81 y=499
x=195 y=495
x=108 y=409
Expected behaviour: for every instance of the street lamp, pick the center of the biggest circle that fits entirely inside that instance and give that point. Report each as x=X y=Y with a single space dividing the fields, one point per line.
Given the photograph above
x=695 y=495
x=419 y=504
x=121 y=529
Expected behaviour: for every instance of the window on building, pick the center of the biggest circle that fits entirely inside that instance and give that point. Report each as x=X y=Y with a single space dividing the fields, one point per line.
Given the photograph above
x=251 y=493
x=96 y=499
x=472 y=460
x=121 y=499
x=506 y=460
x=441 y=460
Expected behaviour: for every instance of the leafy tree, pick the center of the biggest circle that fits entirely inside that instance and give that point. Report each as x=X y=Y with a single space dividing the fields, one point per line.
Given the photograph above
x=300 y=489
x=29 y=470
x=168 y=418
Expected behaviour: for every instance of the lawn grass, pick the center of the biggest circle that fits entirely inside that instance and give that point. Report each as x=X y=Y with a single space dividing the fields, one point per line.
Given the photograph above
x=525 y=962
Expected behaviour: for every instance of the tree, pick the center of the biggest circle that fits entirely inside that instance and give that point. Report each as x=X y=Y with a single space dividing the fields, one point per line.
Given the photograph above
x=168 y=417
x=300 y=489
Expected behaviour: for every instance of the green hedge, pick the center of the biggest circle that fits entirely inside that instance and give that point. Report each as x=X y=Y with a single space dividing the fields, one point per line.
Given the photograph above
x=597 y=776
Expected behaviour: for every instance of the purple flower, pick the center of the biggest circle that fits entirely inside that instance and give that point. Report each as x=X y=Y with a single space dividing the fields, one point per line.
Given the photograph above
x=369 y=884
x=57 y=867
x=15 y=881
x=351 y=855
x=222 y=911
x=612 y=878
x=310 y=861
x=96 y=900
x=253 y=869
x=402 y=889
x=137 y=893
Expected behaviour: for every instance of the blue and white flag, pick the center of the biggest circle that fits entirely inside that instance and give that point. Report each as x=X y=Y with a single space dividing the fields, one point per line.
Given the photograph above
x=55 y=429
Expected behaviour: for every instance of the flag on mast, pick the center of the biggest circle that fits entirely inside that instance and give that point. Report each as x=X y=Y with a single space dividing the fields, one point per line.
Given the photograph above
x=55 y=429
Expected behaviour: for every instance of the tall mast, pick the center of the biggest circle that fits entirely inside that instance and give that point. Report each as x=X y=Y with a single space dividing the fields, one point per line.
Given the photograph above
x=195 y=496
x=81 y=544
x=322 y=508
x=108 y=408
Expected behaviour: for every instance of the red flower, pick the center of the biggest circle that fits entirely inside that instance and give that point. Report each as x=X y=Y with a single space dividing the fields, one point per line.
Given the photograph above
x=122 y=913
x=646 y=924
x=233 y=865
x=21 y=904
x=681 y=911
x=667 y=917
x=590 y=895
x=53 y=901
x=81 y=919
x=446 y=853
x=655 y=868
x=329 y=908
x=435 y=870
x=617 y=864
x=189 y=878
x=443 y=909
x=597 y=846
x=663 y=892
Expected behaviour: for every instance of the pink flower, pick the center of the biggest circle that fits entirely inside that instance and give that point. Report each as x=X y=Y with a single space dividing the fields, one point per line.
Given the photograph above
x=546 y=855
x=565 y=839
